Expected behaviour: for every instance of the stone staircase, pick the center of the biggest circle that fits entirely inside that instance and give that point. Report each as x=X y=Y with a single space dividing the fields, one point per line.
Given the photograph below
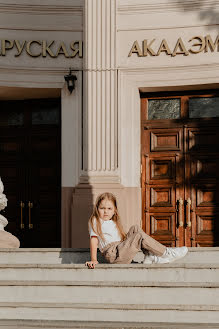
x=52 y=288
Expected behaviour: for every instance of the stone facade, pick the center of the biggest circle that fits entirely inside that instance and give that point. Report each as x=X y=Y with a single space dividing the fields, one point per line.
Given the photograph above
x=101 y=118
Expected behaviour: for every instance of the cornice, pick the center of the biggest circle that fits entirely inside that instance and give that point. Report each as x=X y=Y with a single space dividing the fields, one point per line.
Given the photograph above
x=177 y=75
x=40 y=9
x=166 y=6
x=167 y=27
x=27 y=70
x=41 y=78
x=184 y=68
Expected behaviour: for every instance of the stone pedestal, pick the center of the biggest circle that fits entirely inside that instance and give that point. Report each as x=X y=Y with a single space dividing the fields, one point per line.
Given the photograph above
x=7 y=240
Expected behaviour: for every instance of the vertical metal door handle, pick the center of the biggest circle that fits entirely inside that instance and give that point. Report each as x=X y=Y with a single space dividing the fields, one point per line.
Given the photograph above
x=22 y=205
x=188 y=212
x=180 y=212
x=30 y=206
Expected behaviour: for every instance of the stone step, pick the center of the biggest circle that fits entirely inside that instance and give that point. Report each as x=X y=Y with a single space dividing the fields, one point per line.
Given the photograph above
x=30 y=324
x=104 y=314
x=34 y=324
x=79 y=256
x=101 y=284
x=111 y=292
x=174 y=272
x=55 y=285
x=96 y=306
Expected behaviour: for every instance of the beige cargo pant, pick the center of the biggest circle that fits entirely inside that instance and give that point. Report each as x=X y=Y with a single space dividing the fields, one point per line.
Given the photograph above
x=123 y=252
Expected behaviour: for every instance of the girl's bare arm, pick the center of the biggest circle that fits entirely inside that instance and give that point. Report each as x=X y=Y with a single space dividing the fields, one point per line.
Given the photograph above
x=93 y=252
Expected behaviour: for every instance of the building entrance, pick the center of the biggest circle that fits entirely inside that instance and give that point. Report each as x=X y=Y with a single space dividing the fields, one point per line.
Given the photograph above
x=30 y=168
x=180 y=153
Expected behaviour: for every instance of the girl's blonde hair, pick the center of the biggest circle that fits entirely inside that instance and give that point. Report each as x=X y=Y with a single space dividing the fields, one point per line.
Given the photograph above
x=97 y=228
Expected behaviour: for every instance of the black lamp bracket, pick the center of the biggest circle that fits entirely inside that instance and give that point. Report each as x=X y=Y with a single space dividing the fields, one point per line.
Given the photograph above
x=70 y=79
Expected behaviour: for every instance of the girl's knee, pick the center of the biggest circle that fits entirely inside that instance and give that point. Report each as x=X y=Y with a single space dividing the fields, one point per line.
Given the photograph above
x=135 y=228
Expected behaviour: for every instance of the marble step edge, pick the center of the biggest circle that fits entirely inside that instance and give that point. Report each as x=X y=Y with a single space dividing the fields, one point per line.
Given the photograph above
x=63 y=324
x=135 y=266
x=83 y=250
x=99 y=284
x=102 y=315
x=112 y=306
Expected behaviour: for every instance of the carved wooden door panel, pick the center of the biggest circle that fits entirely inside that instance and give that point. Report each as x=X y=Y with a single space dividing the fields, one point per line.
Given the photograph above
x=45 y=187
x=180 y=157
x=201 y=193
x=163 y=184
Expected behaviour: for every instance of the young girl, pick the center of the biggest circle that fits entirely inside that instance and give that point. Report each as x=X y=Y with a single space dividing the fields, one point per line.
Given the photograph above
x=106 y=232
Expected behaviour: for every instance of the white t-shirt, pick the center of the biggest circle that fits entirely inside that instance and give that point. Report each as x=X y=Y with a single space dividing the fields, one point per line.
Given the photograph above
x=110 y=233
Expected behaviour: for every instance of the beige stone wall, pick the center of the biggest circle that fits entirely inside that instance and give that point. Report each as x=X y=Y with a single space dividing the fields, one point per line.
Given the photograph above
x=26 y=76
x=112 y=100
x=36 y=20
x=105 y=154
x=169 y=20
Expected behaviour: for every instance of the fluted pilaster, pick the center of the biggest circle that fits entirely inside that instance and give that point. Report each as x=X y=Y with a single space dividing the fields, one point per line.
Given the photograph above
x=100 y=86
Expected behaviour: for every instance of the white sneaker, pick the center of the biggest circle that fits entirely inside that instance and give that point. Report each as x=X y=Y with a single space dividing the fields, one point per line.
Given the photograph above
x=169 y=256
x=153 y=259
x=172 y=254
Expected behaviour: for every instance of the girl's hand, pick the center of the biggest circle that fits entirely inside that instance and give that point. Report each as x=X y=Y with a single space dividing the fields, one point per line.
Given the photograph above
x=92 y=263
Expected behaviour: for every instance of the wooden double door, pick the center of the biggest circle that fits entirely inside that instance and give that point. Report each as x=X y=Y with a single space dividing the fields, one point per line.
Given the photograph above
x=30 y=168
x=180 y=168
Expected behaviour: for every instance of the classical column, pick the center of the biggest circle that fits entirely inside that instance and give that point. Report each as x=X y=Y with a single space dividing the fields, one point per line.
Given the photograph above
x=100 y=119
x=100 y=125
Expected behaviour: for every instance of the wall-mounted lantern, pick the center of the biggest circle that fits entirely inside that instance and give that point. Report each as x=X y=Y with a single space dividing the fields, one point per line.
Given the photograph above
x=70 y=79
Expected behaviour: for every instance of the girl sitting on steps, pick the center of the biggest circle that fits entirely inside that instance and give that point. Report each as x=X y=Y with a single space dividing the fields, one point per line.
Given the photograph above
x=106 y=232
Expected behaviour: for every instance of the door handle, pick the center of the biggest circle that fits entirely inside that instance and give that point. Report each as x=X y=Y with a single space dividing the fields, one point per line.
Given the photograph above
x=30 y=206
x=22 y=205
x=188 y=212
x=180 y=212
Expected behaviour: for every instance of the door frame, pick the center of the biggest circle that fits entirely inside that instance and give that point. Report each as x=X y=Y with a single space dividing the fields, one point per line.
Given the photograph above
x=145 y=151
x=22 y=155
